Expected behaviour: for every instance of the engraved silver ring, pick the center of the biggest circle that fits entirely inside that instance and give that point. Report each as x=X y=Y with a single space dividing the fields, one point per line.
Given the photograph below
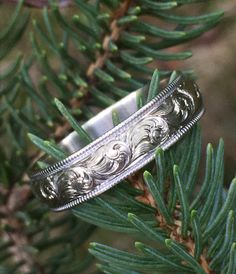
x=118 y=151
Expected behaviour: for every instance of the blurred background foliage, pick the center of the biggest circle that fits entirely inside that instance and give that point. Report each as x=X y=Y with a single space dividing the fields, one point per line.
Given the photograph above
x=47 y=53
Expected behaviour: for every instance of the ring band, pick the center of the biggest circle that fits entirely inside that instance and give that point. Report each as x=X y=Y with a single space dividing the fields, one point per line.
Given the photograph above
x=119 y=151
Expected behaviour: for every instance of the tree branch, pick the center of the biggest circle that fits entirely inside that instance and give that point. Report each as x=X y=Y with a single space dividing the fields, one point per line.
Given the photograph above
x=173 y=230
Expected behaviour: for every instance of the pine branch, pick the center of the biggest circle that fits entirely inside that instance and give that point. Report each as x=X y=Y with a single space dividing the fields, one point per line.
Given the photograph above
x=194 y=245
x=104 y=50
x=108 y=55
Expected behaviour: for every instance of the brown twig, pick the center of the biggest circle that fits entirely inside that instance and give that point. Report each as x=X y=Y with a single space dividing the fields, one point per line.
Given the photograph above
x=173 y=230
x=114 y=35
x=12 y=227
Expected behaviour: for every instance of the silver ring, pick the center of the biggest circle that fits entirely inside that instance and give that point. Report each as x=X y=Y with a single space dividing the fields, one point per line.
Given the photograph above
x=119 y=151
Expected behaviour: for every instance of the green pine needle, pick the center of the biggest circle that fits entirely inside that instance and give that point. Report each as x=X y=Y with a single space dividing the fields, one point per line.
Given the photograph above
x=74 y=124
x=48 y=147
x=184 y=204
x=154 y=86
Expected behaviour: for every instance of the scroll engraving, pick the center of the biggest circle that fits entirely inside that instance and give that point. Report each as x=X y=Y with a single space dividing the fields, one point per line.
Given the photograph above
x=108 y=160
x=114 y=157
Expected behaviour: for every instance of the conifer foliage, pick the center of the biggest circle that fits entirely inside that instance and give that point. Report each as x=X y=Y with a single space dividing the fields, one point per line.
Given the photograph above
x=83 y=56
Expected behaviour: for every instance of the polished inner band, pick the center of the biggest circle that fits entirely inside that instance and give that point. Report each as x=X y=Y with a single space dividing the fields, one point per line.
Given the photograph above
x=119 y=151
